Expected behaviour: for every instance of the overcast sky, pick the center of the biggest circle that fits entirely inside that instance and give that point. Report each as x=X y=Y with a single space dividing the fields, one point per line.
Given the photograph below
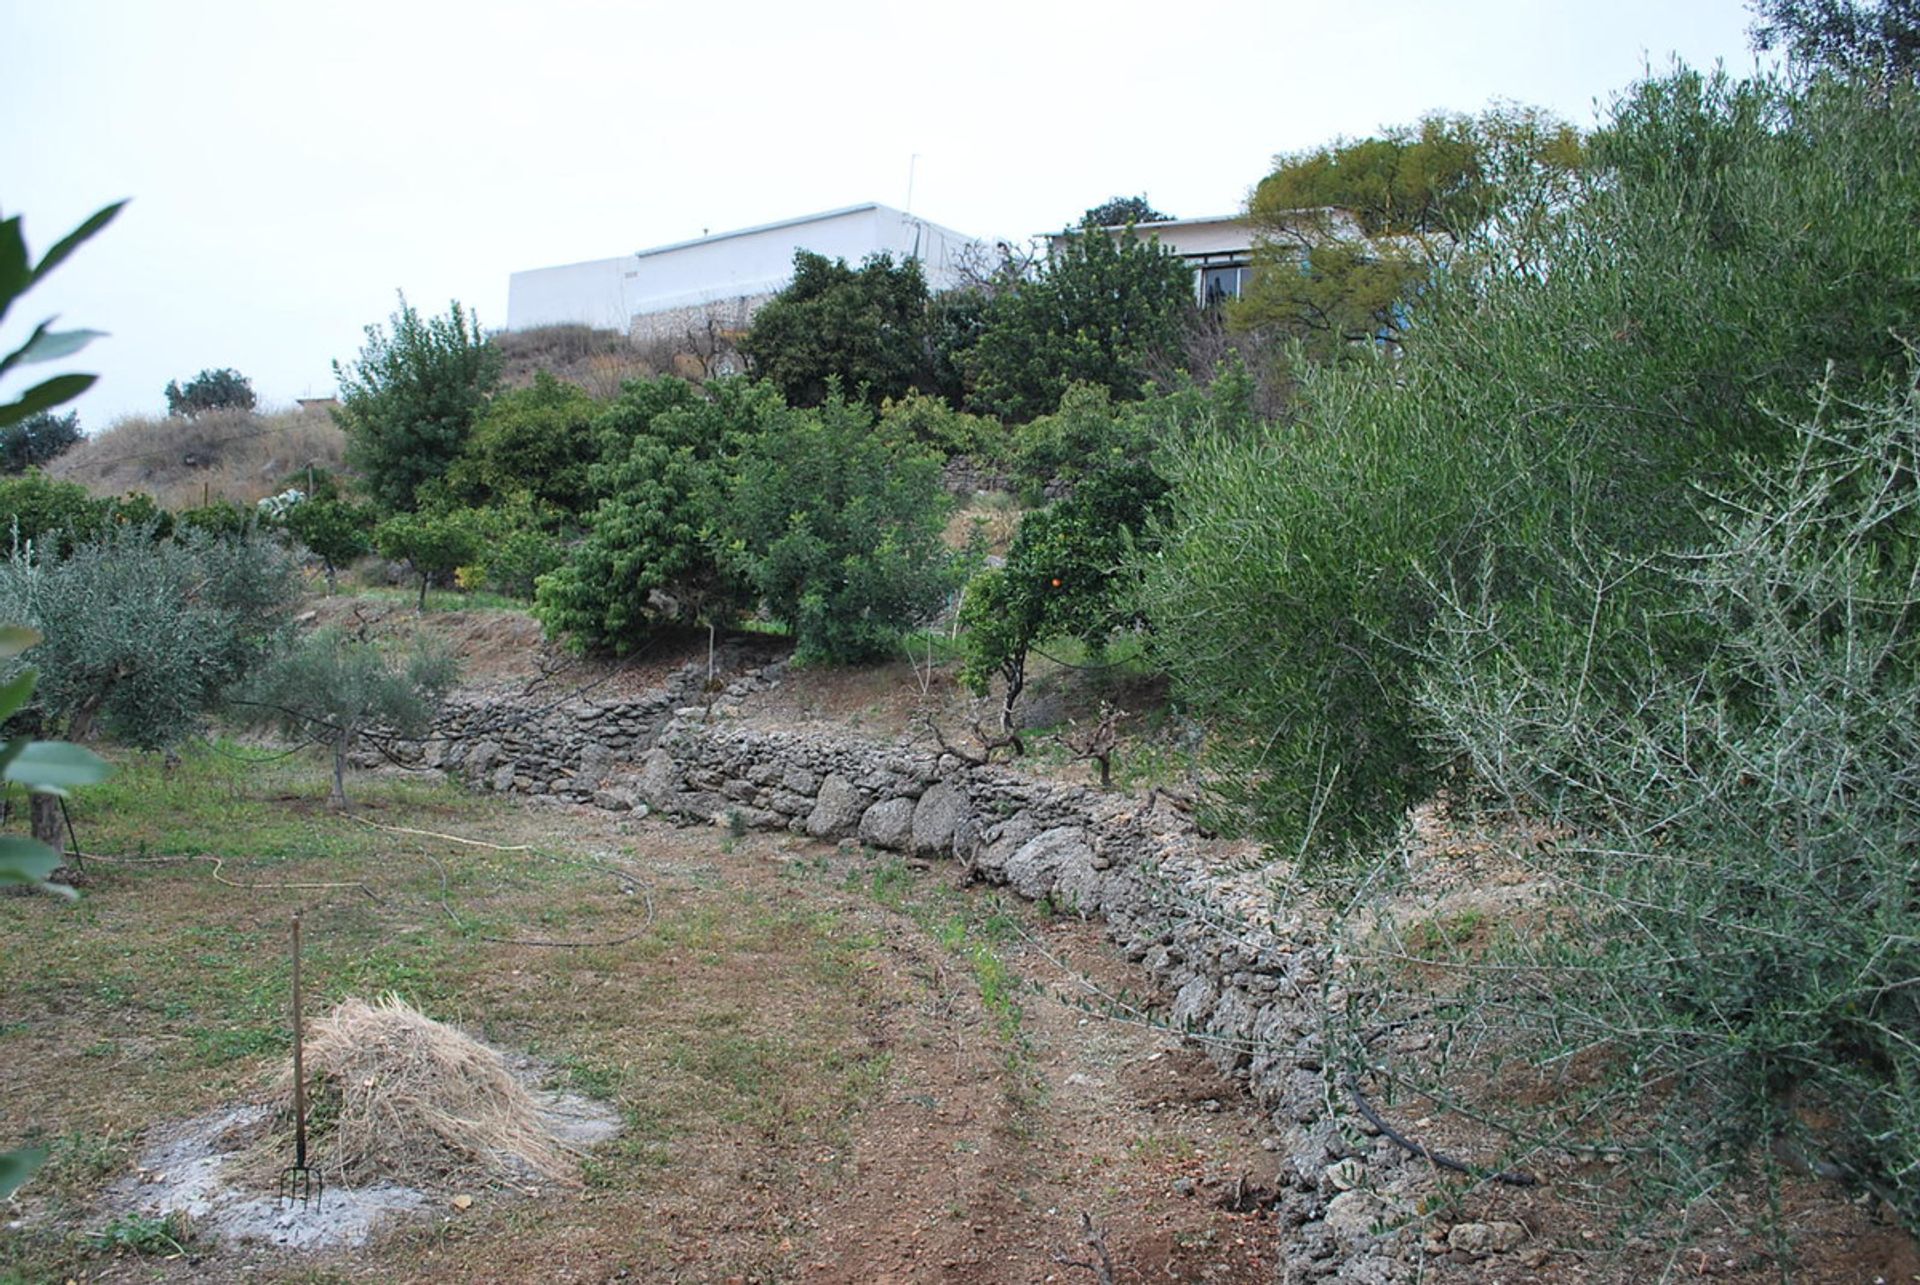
x=293 y=165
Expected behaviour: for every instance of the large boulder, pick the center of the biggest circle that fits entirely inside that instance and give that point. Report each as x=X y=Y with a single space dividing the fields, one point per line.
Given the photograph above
x=1035 y=868
x=936 y=817
x=836 y=809
x=888 y=825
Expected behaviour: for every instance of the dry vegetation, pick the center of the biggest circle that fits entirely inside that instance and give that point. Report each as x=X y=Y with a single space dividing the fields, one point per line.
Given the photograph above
x=238 y=456
x=598 y=361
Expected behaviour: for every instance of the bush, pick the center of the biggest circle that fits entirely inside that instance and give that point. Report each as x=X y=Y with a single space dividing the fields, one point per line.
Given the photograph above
x=1736 y=239
x=863 y=328
x=838 y=532
x=409 y=401
x=434 y=544
x=537 y=442
x=142 y=637
x=35 y=440
x=650 y=557
x=1099 y=312
x=1069 y=572
x=1738 y=823
x=208 y=391
x=333 y=530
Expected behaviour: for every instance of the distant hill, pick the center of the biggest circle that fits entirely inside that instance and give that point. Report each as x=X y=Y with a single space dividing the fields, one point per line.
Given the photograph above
x=238 y=456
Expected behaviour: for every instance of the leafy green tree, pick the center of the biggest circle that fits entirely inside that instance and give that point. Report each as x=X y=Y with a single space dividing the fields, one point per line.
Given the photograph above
x=1348 y=235
x=1070 y=571
x=410 y=400
x=1739 y=244
x=839 y=532
x=37 y=440
x=1119 y=211
x=865 y=327
x=334 y=530
x=537 y=442
x=143 y=637
x=433 y=543
x=340 y=692
x=210 y=390
x=1875 y=38
x=651 y=557
x=1098 y=312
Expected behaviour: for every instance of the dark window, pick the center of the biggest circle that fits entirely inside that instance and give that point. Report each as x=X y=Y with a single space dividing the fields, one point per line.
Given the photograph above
x=1217 y=284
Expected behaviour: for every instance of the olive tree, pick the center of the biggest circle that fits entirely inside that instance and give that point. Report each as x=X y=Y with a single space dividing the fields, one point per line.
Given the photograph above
x=340 y=691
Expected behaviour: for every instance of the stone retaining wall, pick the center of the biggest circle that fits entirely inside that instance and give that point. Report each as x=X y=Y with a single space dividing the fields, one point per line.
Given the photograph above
x=1245 y=974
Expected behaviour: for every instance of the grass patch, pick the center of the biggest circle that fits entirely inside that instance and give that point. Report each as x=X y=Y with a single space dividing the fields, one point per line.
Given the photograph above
x=727 y=1020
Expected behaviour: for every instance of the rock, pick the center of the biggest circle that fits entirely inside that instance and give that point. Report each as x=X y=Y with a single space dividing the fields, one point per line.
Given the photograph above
x=482 y=757
x=836 y=811
x=888 y=825
x=936 y=817
x=1343 y=1175
x=1035 y=867
x=1484 y=1238
x=596 y=760
x=659 y=779
x=613 y=800
x=1352 y=1217
x=800 y=781
x=503 y=779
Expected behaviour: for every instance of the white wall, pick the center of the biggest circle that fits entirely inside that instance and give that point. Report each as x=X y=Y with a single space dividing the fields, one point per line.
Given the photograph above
x=590 y=293
x=752 y=262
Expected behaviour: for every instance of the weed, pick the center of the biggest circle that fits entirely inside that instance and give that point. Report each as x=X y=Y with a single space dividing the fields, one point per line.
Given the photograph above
x=143 y=1234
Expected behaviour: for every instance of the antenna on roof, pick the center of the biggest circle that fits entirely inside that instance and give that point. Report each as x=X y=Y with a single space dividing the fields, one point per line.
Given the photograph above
x=912 y=162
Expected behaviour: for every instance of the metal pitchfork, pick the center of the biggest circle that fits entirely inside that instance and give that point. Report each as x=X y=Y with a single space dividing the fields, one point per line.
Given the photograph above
x=299 y=1184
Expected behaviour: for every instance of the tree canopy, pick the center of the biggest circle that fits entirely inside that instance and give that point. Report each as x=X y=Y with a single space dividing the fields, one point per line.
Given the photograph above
x=1347 y=235
x=865 y=327
x=1117 y=211
x=409 y=401
x=1102 y=310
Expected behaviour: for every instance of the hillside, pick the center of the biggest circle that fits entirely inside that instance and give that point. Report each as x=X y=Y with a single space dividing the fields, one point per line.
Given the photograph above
x=238 y=456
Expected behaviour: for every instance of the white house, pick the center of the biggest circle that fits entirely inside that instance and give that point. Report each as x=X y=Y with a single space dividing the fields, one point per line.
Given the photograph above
x=711 y=286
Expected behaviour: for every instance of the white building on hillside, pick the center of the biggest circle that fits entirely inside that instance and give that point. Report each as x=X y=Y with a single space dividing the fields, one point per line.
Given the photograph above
x=705 y=291
x=1220 y=249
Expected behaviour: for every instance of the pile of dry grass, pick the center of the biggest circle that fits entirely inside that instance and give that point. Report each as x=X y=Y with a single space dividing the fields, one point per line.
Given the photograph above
x=598 y=361
x=395 y=1096
x=223 y=455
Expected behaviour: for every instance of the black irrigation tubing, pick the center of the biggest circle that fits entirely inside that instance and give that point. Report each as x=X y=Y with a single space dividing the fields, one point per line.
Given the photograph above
x=1512 y=1177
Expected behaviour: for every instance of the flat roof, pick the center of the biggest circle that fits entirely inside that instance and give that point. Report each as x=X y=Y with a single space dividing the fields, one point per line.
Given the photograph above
x=765 y=227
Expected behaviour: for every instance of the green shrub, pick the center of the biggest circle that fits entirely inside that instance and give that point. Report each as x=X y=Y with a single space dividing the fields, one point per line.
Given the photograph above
x=1070 y=571
x=210 y=390
x=649 y=557
x=37 y=440
x=536 y=442
x=433 y=543
x=220 y=518
x=409 y=401
x=1738 y=823
x=1099 y=312
x=335 y=531
x=338 y=691
x=838 y=532
x=927 y=422
x=1735 y=239
x=864 y=329
x=142 y=637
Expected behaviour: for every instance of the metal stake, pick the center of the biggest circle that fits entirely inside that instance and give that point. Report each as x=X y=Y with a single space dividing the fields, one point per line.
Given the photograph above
x=299 y=1184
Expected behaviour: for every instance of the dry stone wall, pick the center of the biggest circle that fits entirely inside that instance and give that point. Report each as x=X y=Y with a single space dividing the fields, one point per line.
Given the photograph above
x=1246 y=975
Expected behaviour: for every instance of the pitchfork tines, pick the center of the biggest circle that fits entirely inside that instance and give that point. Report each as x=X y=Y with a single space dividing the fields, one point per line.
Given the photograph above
x=299 y=1184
